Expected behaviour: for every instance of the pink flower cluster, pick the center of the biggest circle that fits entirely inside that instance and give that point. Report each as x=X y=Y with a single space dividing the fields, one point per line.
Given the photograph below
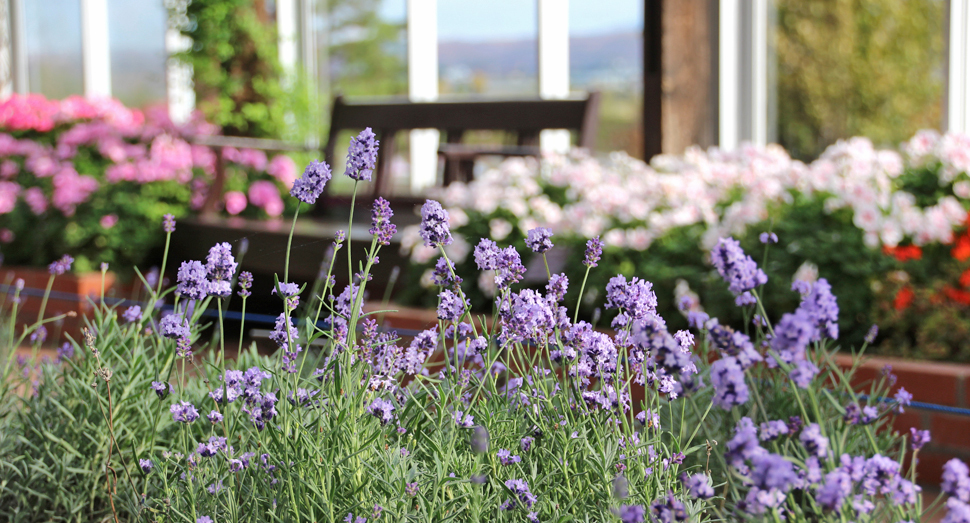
x=139 y=147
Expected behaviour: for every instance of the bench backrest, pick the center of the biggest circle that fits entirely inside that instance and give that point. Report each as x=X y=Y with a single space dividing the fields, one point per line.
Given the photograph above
x=525 y=118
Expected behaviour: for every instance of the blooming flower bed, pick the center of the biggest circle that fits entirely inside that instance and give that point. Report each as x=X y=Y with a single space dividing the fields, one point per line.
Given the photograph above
x=848 y=214
x=89 y=176
x=532 y=416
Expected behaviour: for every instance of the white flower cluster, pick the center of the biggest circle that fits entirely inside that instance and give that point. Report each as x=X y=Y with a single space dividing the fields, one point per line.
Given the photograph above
x=630 y=203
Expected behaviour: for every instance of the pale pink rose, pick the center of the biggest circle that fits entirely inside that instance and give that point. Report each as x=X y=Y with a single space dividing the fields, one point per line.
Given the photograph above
x=36 y=200
x=235 y=202
x=108 y=221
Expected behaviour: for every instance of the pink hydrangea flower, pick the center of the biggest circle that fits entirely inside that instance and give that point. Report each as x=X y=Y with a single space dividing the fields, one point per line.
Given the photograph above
x=108 y=221
x=235 y=202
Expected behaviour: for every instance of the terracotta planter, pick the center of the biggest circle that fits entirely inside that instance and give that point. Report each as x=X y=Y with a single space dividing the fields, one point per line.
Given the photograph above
x=70 y=292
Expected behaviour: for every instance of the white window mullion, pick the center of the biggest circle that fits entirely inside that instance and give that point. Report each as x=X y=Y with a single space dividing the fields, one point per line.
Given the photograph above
x=423 y=87
x=95 y=48
x=554 y=65
x=742 y=73
x=179 y=89
x=958 y=86
x=286 y=28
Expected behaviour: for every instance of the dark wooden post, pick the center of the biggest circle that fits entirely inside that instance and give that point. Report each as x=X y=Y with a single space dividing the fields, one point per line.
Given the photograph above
x=679 y=75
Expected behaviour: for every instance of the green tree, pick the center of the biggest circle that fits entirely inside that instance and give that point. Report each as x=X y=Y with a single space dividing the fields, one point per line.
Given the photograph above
x=235 y=64
x=367 y=54
x=857 y=67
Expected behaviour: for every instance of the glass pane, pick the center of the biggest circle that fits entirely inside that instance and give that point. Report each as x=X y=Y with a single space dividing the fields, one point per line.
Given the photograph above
x=367 y=51
x=137 y=36
x=54 y=47
x=844 y=69
x=488 y=47
x=605 y=54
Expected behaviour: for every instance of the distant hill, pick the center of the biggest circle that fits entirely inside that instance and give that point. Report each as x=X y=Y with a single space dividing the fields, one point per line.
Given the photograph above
x=616 y=55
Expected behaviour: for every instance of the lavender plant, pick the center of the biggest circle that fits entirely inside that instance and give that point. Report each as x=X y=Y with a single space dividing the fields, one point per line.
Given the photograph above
x=524 y=415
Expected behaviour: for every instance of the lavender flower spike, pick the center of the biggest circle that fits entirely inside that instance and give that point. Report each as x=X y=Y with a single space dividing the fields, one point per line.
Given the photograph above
x=594 y=249
x=362 y=156
x=61 y=266
x=737 y=268
x=434 y=224
x=381 y=225
x=168 y=223
x=309 y=186
x=539 y=239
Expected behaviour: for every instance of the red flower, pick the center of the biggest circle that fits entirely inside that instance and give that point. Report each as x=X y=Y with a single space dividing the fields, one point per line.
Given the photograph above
x=957 y=295
x=904 y=253
x=903 y=298
x=961 y=252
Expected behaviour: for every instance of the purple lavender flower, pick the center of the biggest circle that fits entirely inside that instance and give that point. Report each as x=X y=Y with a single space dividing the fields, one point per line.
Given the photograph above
x=464 y=420
x=509 y=268
x=774 y=429
x=815 y=443
x=309 y=186
x=539 y=239
x=557 y=287
x=698 y=485
x=451 y=306
x=957 y=511
x=956 y=480
x=183 y=347
x=175 y=326
x=903 y=399
x=526 y=444
x=506 y=458
x=411 y=489
x=803 y=373
x=204 y=519
x=873 y=332
x=245 y=283
x=738 y=269
x=668 y=509
x=766 y=237
x=220 y=263
x=744 y=444
x=362 y=156
x=65 y=352
x=193 y=282
x=486 y=255
x=132 y=314
x=162 y=389
x=61 y=266
x=727 y=377
x=837 y=487
x=279 y=333
x=39 y=335
x=168 y=223
x=918 y=438
x=350 y=518
x=631 y=513
x=444 y=274
x=520 y=490
x=792 y=334
x=635 y=300
x=382 y=410
x=381 y=225
x=290 y=294
x=146 y=465
x=434 y=224
x=621 y=486
x=823 y=309
x=214 y=417
x=594 y=249
x=869 y=414
x=184 y=412
x=212 y=447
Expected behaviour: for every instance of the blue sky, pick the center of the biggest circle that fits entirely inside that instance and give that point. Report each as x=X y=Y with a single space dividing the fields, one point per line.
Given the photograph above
x=469 y=20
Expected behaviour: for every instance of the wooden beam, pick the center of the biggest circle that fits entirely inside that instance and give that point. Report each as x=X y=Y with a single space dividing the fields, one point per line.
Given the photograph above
x=652 y=78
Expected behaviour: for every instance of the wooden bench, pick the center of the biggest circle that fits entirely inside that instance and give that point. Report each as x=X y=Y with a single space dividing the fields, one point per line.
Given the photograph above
x=523 y=119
